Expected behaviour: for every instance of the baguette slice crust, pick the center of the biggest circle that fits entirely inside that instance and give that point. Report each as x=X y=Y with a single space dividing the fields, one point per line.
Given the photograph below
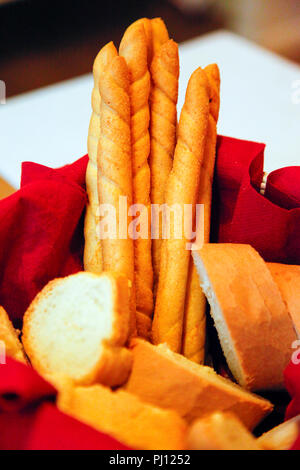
x=125 y=417
x=76 y=327
x=10 y=338
x=220 y=431
x=287 y=278
x=164 y=378
x=253 y=324
x=281 y=437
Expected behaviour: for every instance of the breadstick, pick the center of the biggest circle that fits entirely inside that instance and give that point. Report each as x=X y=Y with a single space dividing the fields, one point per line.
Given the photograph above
x=156 y=34
x=114 y=169
x=182 y=186
x=146 y=24
x=195 y=303
x=163 y=121
x=133 y=48
x=160 y=34
x=92 y=247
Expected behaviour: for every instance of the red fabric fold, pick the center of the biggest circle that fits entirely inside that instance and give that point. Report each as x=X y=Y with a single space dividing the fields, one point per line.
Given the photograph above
x=21 y=386
x=283 y=187
x=29 y=419
x=41 y=232
x=246 y=216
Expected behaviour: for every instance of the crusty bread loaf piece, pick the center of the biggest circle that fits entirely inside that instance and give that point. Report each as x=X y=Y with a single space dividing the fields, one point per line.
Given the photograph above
x=134 y=49
x=281 y=437
x=194 y=329
x=220 y=431
x=287 y=278
x=163 y=101
x=164 y=378
x=92 y=248
x=182 y=186
x=253 y=324
x=115 y=172
x=9 y=337
x=76 y=327
x=125 y=417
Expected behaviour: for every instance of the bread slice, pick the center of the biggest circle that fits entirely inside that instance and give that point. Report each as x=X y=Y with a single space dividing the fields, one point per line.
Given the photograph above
x=125 y=417
x=220 y=431
x=287 y=278
x=167 y=379
x=10 y=344
x=253 y=324
x=76 y=327
x=281 y=437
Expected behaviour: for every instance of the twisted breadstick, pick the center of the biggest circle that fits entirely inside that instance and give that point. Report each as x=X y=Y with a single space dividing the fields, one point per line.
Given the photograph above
x=182 y=186
x=163 y=101
x=156 y=34
x=195 y=304
x=114 y=169
x=133 y=48
x=160 y=34
x=92 y=247
x=146 y=24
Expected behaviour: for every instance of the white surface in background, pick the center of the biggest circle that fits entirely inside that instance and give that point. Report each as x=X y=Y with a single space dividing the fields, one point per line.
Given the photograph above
x=50 y=125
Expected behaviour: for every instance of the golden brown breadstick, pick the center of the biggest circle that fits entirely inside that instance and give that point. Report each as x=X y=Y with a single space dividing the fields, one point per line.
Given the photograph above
x=163 y=101
x=133 y=48
x=92 y=247
x=160 y=34
x=146 y=24
x=115 y=169
x=156 y=34
x=182 y=186
x=195 y=303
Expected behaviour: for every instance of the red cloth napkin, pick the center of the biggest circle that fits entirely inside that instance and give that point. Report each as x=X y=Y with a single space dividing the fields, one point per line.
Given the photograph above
x=41 y=232
x=29 y=419
x=270 y=223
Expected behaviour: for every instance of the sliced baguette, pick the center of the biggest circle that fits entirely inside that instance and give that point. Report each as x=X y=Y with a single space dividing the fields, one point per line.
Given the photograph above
x=167 y=379
x=10 y=344
x=126 y=417
x=220 y=431
x=281 y=437
x=287 y=278
x=252 y=321
x=76 y=327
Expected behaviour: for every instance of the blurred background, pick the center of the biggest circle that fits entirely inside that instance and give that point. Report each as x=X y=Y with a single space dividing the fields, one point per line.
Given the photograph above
x=44 y=42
